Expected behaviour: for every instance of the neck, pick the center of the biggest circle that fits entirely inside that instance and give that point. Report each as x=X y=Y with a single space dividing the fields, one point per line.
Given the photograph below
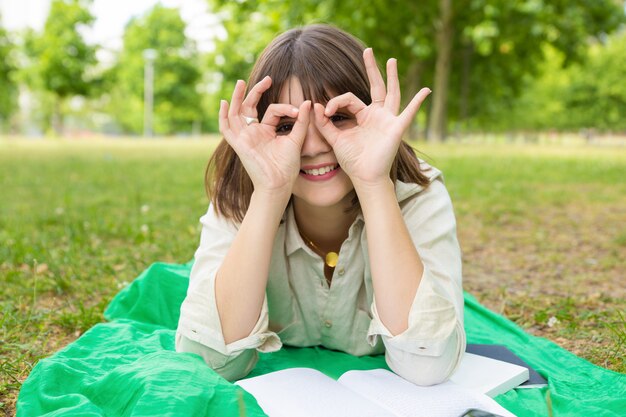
x=326 y=227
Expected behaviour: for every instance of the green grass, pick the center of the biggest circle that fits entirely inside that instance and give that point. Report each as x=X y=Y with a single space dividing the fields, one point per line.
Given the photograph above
x=541 y=229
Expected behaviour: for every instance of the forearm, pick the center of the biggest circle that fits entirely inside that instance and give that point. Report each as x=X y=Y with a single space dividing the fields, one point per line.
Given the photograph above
x=396 y=266
x=242 y=278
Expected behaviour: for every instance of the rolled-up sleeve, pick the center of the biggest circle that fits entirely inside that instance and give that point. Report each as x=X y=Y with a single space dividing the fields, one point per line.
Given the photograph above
x=199 y=327
x=430 y=349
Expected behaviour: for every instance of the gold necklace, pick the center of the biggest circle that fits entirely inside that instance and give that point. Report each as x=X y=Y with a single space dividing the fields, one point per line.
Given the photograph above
x=330 y=258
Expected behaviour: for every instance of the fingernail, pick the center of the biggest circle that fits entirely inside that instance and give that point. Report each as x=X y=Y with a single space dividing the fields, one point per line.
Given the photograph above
x=294 y=110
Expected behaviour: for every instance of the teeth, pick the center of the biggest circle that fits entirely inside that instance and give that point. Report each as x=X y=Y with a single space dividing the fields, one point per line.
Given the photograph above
x=320 y=171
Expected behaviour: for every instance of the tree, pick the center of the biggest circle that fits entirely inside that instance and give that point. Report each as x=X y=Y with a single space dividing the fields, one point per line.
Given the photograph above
x=589 y=94
x=60 y=58
x=8 y=86
x=444 y=39
x=476 y=54
x=177 y=102
x=597 y=95
x=503 y=47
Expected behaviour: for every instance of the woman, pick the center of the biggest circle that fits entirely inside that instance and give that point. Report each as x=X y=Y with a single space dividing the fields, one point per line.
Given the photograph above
x=324 y=228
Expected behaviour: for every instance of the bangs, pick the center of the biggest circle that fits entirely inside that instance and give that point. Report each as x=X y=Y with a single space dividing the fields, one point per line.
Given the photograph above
x=325 y=66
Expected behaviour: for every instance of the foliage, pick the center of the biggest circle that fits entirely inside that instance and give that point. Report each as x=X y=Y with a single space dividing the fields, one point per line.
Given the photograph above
x=59 y=57
x=523 y=65
x=589 y=94
x=512 y=43
x=8 y=102
x=497 y=44
x=176 y=74
x=596 y=97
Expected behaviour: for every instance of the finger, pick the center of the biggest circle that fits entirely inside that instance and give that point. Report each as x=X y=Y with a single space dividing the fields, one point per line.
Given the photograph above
x=298 y=132
x=235 y=102
x=324 y=124
x=248 y=107
x=392 y=101
x=276 y=111
x=409 y=112
x=377 y=84
x=348 y=101
x=224 y=126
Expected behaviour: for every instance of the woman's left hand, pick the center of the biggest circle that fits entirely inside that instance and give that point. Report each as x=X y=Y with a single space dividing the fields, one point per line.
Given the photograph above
x=366 y=150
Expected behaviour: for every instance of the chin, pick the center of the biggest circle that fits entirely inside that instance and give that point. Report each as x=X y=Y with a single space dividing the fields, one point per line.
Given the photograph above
x=325 y=194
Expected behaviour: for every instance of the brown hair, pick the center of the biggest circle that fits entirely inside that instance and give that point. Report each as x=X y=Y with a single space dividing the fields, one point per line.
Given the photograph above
x=323 y=58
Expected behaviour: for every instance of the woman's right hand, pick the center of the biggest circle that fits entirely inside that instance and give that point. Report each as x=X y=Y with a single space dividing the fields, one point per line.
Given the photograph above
x=272 y=161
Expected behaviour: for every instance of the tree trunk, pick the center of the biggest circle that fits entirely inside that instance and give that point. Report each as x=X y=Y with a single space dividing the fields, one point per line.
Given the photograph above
x=465 y=82
x=443 y=67
x=57 y=117
x=413 y=83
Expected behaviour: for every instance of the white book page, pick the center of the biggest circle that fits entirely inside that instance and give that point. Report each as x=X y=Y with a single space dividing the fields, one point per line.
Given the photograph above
x=305 y=392
x=487 y=375
x=409 y=400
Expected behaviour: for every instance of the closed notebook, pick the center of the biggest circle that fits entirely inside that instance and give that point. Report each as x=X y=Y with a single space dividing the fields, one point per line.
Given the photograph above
x=502 y=353
x=488 y=376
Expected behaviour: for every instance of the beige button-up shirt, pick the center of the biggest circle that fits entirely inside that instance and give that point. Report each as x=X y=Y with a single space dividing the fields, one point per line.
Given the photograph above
x=300 y=309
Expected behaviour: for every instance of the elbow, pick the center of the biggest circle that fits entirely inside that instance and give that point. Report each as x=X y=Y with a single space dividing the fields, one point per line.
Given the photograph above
x=229 y=367
x=424 y=371
x=240 y=366
x=427 y=370
x=425 y=378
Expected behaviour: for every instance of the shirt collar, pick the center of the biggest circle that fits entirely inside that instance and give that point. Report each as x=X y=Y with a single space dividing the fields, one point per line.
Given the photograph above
x=404 y=191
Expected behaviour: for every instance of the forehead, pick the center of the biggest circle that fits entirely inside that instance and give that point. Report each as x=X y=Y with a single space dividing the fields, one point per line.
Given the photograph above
x=292 y=92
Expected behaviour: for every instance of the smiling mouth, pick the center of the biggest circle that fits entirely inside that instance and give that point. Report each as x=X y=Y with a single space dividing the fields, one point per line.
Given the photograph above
x=320 y=171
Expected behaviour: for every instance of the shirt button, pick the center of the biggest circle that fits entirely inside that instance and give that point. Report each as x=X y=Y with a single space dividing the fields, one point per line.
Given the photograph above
x=328 y=324
x=341 y=271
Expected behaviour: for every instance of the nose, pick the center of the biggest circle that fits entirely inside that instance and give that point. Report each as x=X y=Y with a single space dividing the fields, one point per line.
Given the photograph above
x=314 y=142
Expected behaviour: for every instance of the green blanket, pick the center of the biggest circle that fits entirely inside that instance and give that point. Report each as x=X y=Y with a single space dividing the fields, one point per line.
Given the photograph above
x=128 y=367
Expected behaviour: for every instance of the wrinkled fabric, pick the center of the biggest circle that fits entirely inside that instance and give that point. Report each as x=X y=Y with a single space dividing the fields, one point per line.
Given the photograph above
x=128 y=367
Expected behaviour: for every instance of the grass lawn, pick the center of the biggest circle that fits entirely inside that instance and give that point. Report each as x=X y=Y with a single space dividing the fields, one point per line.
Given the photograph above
x=541 y=228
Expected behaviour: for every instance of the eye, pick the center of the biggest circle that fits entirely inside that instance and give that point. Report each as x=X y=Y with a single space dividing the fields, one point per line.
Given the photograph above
x=284 y=128
x=338 y=118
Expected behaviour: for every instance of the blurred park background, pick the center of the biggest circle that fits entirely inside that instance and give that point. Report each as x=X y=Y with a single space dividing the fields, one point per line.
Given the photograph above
x=522 y=68
x=108 y=115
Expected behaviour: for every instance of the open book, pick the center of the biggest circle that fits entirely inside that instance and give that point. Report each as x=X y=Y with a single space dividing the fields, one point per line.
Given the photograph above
x=306 y=392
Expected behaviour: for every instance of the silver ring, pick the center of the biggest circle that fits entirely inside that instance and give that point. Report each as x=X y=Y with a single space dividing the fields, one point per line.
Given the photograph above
x=250 y=120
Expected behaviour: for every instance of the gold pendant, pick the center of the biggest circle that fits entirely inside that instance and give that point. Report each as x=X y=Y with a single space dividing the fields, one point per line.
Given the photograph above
x=331 y=259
